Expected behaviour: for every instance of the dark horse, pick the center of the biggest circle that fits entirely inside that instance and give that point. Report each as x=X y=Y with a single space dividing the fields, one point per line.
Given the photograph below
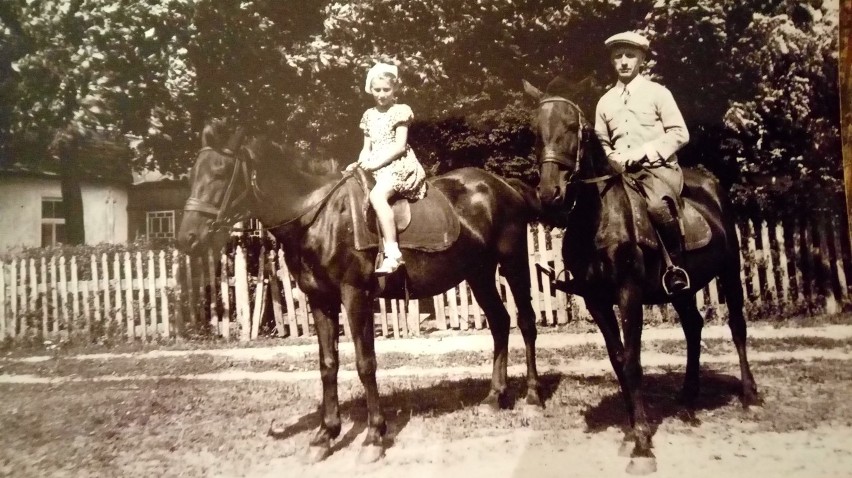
x=311 y=217
x=582 y=191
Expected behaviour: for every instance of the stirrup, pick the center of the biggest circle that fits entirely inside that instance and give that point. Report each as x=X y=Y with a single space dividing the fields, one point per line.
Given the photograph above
x=671 y=273
x=389 y=265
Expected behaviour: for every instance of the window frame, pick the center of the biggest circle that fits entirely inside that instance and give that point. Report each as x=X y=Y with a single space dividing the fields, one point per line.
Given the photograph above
x=170 y=214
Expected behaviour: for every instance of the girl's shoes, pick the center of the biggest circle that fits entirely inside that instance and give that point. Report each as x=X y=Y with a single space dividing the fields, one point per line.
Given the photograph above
x=389 y=265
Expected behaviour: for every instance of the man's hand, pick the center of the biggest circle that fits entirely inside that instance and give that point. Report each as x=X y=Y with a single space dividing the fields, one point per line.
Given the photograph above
x=634 y=159
x=632 y=165
x=351 y=167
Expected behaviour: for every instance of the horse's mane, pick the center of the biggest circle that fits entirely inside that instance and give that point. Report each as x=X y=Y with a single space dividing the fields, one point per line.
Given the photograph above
x=291 y=157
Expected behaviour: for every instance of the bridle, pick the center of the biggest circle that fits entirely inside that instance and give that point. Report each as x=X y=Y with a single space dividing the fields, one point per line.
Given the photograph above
x=549 y=155
x=226 y=213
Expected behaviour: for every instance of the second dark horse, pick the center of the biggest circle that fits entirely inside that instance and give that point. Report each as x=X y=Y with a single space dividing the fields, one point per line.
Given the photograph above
x=310 y=215
x=589 y=197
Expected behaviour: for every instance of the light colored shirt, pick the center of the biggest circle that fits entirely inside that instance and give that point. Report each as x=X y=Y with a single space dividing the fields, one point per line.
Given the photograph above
x=642 y=114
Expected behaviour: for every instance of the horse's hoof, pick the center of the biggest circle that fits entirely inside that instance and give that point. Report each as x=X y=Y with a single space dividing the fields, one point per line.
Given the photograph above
x=490 y=405
x=626 y=448
x=317 y=453
x=532 y=411
x=534 y=400
x=642 y=465
x=752 y=399
x=687 y=416
x=370 y=453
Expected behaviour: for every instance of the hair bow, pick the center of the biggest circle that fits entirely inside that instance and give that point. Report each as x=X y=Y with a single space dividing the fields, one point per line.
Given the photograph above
x=377 y=70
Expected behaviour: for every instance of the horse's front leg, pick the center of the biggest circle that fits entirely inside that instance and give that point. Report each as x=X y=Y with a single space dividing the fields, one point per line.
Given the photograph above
x=642 y=460
x=359 y=305
x=326 y=319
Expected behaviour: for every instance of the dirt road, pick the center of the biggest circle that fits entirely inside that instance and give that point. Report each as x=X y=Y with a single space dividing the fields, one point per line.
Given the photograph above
x=207 y=414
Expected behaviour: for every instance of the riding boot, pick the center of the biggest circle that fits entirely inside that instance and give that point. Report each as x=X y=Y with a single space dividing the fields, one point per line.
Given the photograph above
x=675 y=278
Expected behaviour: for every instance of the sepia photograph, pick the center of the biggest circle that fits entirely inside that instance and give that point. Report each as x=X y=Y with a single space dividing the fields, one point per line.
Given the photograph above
x=447 y=238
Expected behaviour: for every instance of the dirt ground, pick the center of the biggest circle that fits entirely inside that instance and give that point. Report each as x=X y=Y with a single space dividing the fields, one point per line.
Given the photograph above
x=201 y=414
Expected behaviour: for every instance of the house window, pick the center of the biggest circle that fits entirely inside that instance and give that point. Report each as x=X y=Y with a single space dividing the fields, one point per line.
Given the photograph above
x=160 y=224
x=52 y=222
x=254 y=228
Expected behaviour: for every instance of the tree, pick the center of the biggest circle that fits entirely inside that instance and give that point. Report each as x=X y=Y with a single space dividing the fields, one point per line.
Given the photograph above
x=760 y=79
x=157 y=70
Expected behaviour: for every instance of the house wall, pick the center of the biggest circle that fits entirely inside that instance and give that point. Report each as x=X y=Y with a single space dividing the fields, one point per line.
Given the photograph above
x=155 y=196
x=104 y=211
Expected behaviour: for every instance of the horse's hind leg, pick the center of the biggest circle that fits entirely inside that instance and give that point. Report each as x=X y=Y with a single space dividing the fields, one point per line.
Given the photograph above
x=485 y=291
x=733 y=289
x=327 y=327
x=692 y=323
x=516 y=270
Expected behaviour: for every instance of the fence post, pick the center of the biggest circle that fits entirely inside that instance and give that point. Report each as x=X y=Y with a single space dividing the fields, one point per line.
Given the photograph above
x=476 y=311
x=259 y=295
x=440 y=317
x=241 y=293
x=274 y=292
x=768 y=263
x=96 y=287
x=128 y=298
x=13 y=299
x=54 y=296
x=152 y=294
x=22 y=291
x=2 y=300
x=108 y=315
x=465 y=305
x=140 y=281
x=286 y=284
x=783 y=263
x=215 y=326
x=836 y=228
x=179 y=302
x=452 y=301
x=798 y=260
x=549 y=317
x=561 y=302
x=826 y=281
x=116 y=281
x=33 y=291
x=63 y=295
x=164 y=299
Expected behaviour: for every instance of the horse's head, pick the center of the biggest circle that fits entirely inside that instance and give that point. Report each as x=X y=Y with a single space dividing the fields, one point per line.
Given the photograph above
x=219 y=189
x=560 y=128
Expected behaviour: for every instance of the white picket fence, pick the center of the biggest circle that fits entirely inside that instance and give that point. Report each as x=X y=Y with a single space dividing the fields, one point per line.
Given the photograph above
x=142 y=295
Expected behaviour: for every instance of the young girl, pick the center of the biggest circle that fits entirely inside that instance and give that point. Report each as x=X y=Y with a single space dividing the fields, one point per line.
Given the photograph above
x=387 y=155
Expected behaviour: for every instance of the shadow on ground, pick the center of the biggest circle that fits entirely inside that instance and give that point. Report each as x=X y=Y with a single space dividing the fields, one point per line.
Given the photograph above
x=448 y=396
x=444 y=397
x=662 y=393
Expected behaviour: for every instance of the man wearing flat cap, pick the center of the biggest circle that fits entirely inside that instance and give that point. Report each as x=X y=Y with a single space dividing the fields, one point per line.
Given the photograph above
x=641 y=129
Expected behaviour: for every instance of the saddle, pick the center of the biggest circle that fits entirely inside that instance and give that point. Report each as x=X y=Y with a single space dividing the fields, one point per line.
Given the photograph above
x=696 y=229
x=429 y=224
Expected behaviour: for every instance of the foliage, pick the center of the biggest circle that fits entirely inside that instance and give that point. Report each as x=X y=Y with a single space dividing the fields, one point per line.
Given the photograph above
x=756 y=80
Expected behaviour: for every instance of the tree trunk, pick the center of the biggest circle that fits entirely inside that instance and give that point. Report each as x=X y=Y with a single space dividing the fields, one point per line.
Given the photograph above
x=845 y=97
x=72 y=196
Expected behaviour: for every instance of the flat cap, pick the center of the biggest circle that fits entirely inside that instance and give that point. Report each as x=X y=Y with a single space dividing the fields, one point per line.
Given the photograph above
x=628 y=38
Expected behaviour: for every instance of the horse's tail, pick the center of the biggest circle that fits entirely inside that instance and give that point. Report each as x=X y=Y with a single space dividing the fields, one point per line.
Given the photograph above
x=529 y=194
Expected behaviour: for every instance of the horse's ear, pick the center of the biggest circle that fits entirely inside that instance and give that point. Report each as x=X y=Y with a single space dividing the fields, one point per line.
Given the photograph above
x=236 y=139
x=208 y=137
x=532 y=90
